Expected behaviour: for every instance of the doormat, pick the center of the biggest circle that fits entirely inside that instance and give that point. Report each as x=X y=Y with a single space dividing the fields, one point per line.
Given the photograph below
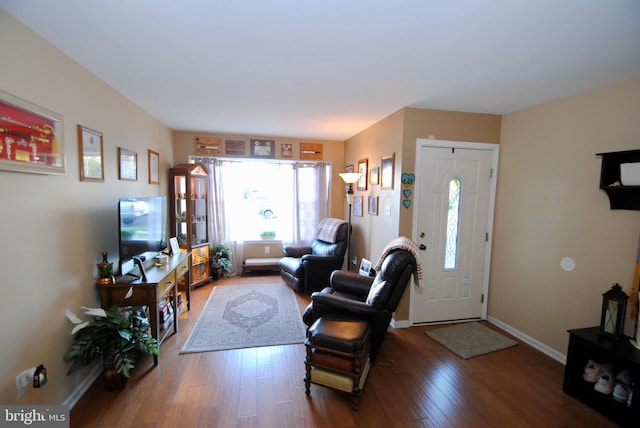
x=471 y=339
x=247 y=316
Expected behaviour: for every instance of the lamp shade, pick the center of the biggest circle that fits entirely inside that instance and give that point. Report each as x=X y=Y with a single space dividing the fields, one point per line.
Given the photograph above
x=350 y=177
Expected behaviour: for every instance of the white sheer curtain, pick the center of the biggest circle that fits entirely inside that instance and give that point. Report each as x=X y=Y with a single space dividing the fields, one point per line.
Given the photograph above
x=311 y=199
x=218 y=224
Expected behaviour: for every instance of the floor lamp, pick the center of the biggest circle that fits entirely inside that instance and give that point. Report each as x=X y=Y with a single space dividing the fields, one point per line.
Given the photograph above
x=349 y=178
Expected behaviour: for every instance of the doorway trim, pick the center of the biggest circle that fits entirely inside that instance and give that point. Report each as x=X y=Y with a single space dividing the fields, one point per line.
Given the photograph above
x=495 y=151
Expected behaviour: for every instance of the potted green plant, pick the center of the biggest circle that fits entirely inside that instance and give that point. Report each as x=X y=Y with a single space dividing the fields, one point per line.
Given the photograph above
x=268 y=234
x=116 y=337
x=220 y=259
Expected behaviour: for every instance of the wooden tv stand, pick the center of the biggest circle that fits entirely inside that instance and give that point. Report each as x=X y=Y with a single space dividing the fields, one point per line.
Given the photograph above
x=162 y=284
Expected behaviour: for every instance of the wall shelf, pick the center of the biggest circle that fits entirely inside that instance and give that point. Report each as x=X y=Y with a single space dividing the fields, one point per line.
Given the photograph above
x=620 y=197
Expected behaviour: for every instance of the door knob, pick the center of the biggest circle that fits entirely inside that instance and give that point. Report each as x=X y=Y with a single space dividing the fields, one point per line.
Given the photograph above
x=422 y=247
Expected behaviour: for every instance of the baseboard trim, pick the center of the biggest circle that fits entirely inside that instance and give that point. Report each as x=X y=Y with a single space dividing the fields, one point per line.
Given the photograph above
x=558 y=356
x=83 y=387
x=400 y=323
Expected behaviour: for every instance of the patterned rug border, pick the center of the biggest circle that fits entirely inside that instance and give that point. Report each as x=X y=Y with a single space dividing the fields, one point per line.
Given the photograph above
x=213 y=332
x=470 y=339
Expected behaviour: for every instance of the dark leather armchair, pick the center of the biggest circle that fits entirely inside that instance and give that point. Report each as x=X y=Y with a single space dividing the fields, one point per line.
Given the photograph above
x=308 y=268
x=371 y=299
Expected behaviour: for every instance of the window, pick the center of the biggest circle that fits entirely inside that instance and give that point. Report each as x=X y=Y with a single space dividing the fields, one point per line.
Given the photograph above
x=453 y=225
x=251 y=197
x=259 y=198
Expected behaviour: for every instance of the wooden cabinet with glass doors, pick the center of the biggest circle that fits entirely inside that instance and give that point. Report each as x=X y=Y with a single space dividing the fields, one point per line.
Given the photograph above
x=189 y=187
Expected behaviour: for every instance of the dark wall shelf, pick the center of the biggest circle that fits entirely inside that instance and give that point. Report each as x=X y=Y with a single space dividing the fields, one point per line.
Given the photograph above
x=620 y=197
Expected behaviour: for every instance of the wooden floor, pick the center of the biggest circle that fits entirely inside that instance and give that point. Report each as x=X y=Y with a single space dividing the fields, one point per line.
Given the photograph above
x=414 y=383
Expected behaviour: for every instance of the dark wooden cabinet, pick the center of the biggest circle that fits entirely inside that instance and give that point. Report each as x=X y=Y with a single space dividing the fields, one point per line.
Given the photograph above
x=620 y=197
x=587 y=344
x=189 y=195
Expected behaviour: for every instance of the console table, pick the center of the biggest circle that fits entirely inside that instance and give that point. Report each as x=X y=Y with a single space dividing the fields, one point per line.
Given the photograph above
x=162 y=284
x=587 y=344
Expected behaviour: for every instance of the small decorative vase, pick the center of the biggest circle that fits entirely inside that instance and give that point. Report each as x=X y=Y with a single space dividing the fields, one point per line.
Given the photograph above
x=105 y=270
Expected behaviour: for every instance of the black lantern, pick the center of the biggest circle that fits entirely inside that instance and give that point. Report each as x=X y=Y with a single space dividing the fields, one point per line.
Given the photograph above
x=614 y=310
x=40 y=376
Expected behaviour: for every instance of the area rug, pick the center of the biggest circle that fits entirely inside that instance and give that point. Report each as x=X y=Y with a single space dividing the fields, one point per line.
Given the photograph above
x=470 y=339
x=247 y=316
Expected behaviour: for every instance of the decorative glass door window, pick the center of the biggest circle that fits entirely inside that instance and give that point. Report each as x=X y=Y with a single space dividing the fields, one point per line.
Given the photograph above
x=453 y=225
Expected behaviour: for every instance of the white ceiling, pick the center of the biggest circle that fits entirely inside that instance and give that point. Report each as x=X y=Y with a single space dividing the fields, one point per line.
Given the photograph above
x=330 y=68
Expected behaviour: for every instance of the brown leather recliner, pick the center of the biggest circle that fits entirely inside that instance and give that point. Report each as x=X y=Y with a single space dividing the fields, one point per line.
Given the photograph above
x=308 y=268
x=370 y=299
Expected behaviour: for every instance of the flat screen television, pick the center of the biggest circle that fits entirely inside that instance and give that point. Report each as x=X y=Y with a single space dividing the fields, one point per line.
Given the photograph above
x=143 y=229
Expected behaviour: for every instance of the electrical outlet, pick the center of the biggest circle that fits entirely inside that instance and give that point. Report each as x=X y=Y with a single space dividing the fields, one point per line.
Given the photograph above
x=23 y=380
x=267 y=249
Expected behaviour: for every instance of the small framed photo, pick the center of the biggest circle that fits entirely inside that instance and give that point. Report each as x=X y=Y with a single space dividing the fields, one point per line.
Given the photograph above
x=349 y=168
x=173 y=244
x=154 y=167
x=263 y=149
x=365 y=267
x=357 y=206
x=286 y=150
x=208 y=146
x=31 y=137
x=91 y=154
x=373 y=205
x=374 y=175
x=311 y=151
x=386 y=175
x=234 y=147
x=363 y=168
x=127 y=165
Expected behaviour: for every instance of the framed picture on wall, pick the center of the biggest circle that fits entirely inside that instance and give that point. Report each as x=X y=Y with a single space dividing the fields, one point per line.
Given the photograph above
x=357 y=206
x=90 y=154
x=263 y=149
x=372 y=205
x=374 y=175
x=363 y=168
x=386 y=175
x=234 y=147
x=154 y=167
x=127 y=165
x=31 y=137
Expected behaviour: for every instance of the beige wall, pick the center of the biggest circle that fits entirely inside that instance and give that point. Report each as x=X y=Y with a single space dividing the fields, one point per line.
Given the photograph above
x=53 y=227
x=548 y=206
x=333 y=152
x=371 y=233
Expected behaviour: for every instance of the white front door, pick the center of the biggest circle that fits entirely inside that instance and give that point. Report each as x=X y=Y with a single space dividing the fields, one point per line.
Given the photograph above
x=455 y=190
